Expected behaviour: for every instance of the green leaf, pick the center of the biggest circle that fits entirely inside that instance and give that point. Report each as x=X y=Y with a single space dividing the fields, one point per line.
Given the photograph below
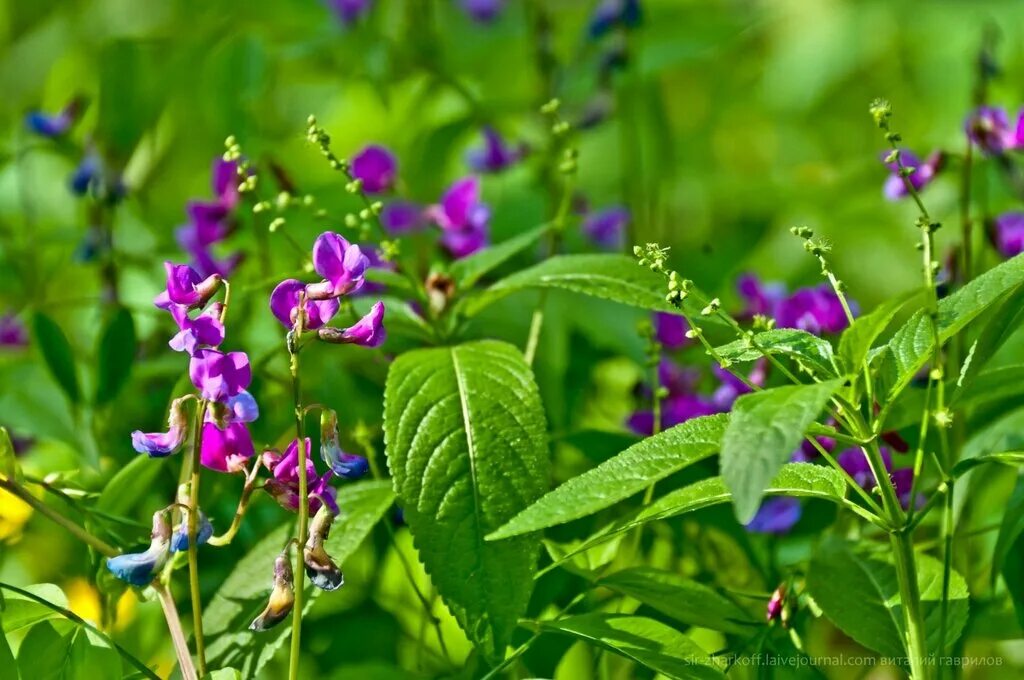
x=800 y=345
x=646 y=641
x=1007 y=544
x=395 y=282
x=612 y=277
x=115 y=355
x=57 y=353
x=44 y=653
x=399 y=317
x=682 y=599
x=6 y=655
x=620 y=477
x=244 y=592
x=8 y=462
x=912 y=345
x=466 y=445
x=1005 y=458
x=856 y=341
x=469 y=270
x=91 y=658
x=129 y=485
x=20 y=611
x=764 y=429
x=859 y=593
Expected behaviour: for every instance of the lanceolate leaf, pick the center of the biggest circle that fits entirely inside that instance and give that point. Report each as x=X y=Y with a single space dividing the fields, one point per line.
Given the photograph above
x=244 y=593
x=1011 y=529
x=764 y=429
x=646 y=641
x=466 y=445
x=57 y=353
x=469 y=270
x=620 y=477
x=683 y=599
x=859 y=592
x=115 y=355
x=800 y=345
x=856 y=341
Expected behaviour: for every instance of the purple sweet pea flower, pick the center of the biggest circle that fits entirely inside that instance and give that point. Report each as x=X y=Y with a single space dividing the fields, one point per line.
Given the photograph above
x=219 y=376
x=761 y=298
x=675 y=409
x=732 y=387
x=56 y=124
x=375 y=261
x=284 y=486
x=186 y=287
x=376 y=167
x=402 y=217
x=284 y=303
x=349 y=11
x=12 y=331
x=463 y=219
x=606 y=228
x=340 y=263
x=495 y=155
x=369 y=331
x=1009 y=233
x=989 y=128
x=815 y=310
x=855 y=462
x=205 y=329
x=208 y=265
x=160 y=444
x=226 y=450
x=208 y=218
x=776 y=515
x=924 y=172
x=241 y=408
x=482 y=11
x=670 y=330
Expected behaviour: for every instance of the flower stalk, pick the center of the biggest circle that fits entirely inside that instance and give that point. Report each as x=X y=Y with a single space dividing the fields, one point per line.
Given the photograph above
x=193 y=543
x=303 y=500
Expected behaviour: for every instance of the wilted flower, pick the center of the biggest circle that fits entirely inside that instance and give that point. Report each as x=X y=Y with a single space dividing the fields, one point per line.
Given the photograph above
x=55 y=124
x=219 y=376
x=282 y=597
x=483 y=11
x=284 y=303
x=179 y=539
x=284 y=486
x=376 y=167
x=345 y=465
x=463 y=219
x=369 y=331
x=1009 y=233
x=321 y=569
x=139 y=569
x=205 y=329
x=12 y=331
x=923 y=173
x=349 y=11
x=401 y=217
x=607 y=227
x=340 y=263
x=776 y=516
x=495 y=155
x=159 y=444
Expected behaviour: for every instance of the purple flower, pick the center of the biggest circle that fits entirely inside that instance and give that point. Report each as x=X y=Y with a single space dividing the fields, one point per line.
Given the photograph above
x=400 y=217
x=219 y=376
x=776 y=516
x=369 y=331
x=923 y=173
x=55 y=124
x=483 y=11
x=675 y=409
x=989 y=128
x=160 y=444
x=205 y=329
x=463 y=219
x=761 y=298
x=609 y=13
x=607 y=227
x=855 y=462
x=186 y=287
x=815 y=310
x=1009 y=233
x=242 y=408
x=376 y=167
x=284 y=486
x=12 y=331
x=375 y=261
x=226 y=450
x=86 y=174
x=732 y=387
x=284 y=302
x=139 y=569
x=774 y=609
x=349 y=11
x=670 y=330
x=495 y=155
x=340 y=263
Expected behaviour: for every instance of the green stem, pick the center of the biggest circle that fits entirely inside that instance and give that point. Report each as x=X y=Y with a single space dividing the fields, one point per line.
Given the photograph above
x=185 y=665
x=243 y=504
x=193 y=532
x=78 y=532
x=910 y=598
x=303 y=521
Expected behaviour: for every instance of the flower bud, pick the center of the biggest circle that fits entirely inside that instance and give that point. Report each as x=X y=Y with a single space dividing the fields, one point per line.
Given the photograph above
x=346 y=465
x=775 y=604
x=320 y=568
x=282 y=597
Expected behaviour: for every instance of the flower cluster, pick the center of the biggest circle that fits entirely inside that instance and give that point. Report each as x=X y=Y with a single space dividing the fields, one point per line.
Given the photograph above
x=212 y=221
x=815 y=309
x=463 y=218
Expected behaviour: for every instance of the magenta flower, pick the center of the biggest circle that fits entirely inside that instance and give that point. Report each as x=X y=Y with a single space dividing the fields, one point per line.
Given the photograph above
x=463 y=219
x=606 y=228
x=369 y=331
x=482 y=11
x=776 y=515
x=923 y=173
x=761 y=298
x=284 y=484
x=855 y=462
x=1009 y=233
x=208 y=218
x=186 y=287
x=226 y=450
x=340 y=263
x=205 y=329
x=349 y=11
x=670 y=330
x=284 y=303
x=815 y=310
x=732 y=387
x=681 y=404
x=376 y=167
x=495 y=155
x=12 y=331
x=219 y=376
x=989 y=128
x=401 y=217
x=160 y=444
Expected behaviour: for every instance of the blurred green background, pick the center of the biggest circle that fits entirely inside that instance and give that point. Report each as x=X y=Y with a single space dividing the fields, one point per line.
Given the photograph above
x=728 y=123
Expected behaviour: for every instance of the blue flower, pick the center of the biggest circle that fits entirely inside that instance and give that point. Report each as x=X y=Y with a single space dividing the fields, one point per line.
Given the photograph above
x=776 y=516
x=139 y=569
x=179 y=540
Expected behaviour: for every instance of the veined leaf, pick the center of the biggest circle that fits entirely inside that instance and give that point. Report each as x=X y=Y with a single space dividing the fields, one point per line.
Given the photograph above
x=20 y=611
x=620 y=477
x=800 y=345
x=912 y=345
x=115 y=355
x=469 y=270
x=466 y=444
x=856 y=341
x=681 y=598
x=56 y=351
x=646 y=641
x=867 y=605
x=244 y=592
x=764 y=429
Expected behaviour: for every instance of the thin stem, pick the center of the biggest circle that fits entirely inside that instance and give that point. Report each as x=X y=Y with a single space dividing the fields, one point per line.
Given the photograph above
x=193 y=543
x=243 y=504
x=185 y=665
x=303 y=521
x=77 y=531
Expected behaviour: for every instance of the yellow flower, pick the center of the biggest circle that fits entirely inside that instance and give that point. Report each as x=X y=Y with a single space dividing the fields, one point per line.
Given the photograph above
x=14 y=513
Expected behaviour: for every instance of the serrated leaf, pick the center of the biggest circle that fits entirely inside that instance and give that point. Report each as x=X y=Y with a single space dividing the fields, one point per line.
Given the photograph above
x=799 y=345
x=764 y=429
x=682 y=599
x=469 y=270
x=56 y=351
x=115 y=355
x=612 y=277
x=466 y=445
x=867 y=605
x=620 y=477
x=646 y=641
x=912 y=345
x=244 y=592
